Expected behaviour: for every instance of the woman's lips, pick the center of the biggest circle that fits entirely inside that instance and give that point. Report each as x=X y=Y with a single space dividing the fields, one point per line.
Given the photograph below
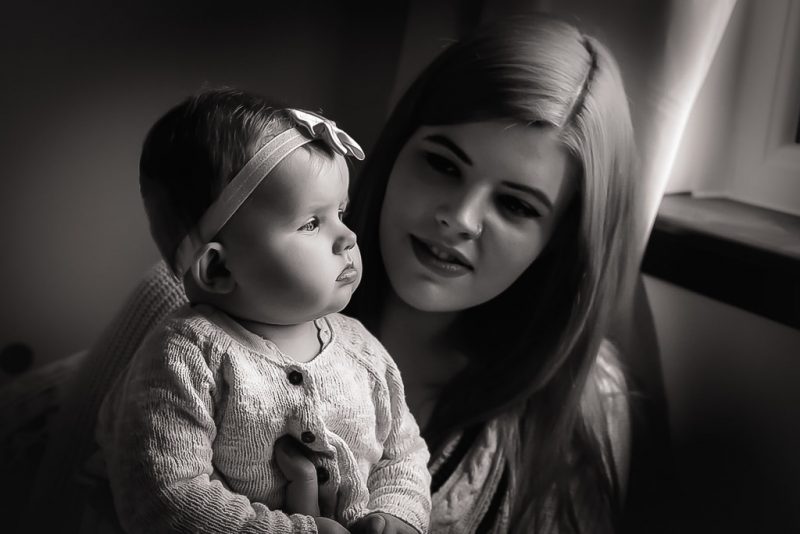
x=439 y=259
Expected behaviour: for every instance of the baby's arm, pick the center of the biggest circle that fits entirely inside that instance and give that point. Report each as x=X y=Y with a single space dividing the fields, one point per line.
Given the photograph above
x=156 y=429
x=399 y=484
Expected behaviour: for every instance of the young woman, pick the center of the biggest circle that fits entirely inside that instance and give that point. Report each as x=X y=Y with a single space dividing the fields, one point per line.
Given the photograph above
x=493 y=216
x=493 y=220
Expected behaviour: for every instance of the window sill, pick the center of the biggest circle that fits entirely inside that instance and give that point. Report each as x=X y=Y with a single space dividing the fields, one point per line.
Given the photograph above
x=736 y=253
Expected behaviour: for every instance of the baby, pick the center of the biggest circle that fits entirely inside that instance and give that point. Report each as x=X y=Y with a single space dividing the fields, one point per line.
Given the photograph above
x=245 y=202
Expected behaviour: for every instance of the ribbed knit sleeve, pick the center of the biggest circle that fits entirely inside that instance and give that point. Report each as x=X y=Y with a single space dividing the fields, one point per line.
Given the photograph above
x=156 y=429
x=58 y=489
x=399 y=484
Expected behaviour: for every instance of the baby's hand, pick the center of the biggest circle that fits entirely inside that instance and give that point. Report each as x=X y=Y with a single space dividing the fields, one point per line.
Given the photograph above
x=380 y=523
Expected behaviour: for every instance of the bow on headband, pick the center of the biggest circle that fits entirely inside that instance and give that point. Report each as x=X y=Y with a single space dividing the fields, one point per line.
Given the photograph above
x=319 y=127
x=310 y=127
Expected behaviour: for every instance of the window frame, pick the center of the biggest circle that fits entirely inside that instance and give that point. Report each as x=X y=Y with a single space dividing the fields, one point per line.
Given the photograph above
x=764 y=155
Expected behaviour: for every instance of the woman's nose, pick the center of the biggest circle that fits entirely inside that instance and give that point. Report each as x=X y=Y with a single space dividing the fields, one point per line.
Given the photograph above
x=344 y=241
x=462 y=216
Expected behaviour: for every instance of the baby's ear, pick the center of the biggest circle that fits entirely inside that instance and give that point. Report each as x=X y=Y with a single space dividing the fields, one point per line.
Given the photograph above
x=210 y=272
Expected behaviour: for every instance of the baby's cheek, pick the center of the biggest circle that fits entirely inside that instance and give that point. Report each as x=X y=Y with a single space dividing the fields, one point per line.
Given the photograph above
x=355 y=255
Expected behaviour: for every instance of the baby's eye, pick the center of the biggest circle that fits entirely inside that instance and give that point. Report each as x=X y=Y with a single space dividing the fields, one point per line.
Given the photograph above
x=517 y=207
x=343 y=213
x=310 y=226
x=441 y=164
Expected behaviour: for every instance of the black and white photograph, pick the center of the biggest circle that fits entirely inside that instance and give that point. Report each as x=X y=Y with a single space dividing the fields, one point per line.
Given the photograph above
x=402 y=267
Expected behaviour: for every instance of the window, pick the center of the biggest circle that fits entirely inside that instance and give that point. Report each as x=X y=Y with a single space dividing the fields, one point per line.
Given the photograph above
x=736 y=238
x=743 y=138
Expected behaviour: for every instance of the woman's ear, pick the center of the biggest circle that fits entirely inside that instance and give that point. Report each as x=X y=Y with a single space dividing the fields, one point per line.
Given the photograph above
x=210 y=272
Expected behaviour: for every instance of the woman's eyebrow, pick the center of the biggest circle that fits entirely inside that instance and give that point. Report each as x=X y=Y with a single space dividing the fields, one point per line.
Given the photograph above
x=538 y=193
x=449 y=144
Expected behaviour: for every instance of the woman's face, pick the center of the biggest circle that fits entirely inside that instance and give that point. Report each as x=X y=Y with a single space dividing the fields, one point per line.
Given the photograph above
x=468 y=208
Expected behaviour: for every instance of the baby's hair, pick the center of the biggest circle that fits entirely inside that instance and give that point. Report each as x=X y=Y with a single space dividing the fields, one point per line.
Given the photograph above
x=194 y=150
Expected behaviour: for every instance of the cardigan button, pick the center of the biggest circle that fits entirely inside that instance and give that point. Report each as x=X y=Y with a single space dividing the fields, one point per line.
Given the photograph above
x=295 y=378
x=307 y=437
x=323 y=475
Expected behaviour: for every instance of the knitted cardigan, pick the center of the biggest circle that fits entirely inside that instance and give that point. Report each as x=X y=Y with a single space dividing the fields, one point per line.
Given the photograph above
x=468 y=483
x=470 y=476
x=204 y=401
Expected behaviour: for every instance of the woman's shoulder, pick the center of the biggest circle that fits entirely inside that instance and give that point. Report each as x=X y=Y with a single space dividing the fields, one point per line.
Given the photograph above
x=157 y=294
x=604 y=402
x=606 y=375
x=605 y=409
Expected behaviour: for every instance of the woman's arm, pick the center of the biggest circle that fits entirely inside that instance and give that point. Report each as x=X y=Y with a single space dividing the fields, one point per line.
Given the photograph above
x=302 y=488
x=156 y=430
x=71 y=441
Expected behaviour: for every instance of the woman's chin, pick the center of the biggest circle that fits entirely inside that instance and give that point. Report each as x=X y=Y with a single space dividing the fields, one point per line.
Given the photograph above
x=429 y=297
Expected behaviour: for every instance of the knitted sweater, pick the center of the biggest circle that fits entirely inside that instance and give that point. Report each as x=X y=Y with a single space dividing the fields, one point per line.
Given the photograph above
x=470 y=483
x=188 y=433
x=464 y=490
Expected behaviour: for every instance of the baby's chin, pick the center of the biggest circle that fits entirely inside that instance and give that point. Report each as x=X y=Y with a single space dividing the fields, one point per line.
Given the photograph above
x=338 y=307
x=307 y=316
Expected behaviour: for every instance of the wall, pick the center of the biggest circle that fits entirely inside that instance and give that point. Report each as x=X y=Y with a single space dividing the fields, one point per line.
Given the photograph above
x=700 y=163
x=431 y=26
x=83 y=82
x=732 y=383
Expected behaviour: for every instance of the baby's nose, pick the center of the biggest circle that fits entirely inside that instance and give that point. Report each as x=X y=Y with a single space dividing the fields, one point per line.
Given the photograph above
x=345 y=242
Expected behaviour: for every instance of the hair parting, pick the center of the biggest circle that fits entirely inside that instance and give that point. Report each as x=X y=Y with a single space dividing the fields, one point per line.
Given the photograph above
x=587 y=80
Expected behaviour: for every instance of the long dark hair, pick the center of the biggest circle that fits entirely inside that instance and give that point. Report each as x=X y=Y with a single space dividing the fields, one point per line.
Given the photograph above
x=532 y=349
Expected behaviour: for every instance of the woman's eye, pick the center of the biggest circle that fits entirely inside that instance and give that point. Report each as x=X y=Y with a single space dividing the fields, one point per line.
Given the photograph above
x=343 y=213
x=310 y=226
x=441 y=164
x=517 y=207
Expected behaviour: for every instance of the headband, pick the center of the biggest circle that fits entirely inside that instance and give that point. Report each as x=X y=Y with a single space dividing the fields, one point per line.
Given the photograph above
x=309 y=127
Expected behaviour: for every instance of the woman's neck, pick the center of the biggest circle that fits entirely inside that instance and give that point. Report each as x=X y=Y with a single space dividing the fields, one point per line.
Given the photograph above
x=428 y=328
x=419 y=344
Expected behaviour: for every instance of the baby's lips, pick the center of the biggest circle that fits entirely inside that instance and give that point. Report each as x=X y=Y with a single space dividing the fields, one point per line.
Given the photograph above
x=348 y=274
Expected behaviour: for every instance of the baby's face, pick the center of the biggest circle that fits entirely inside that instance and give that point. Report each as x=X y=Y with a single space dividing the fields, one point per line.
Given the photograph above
x=292 y=257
